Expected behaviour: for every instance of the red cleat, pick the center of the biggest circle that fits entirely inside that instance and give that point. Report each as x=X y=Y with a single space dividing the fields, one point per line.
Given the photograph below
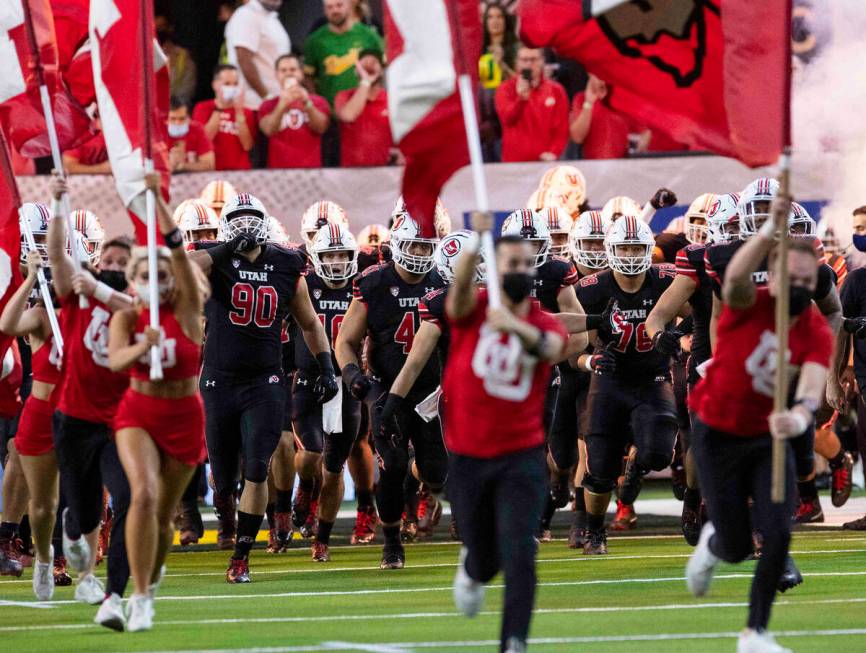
x=238 y=571
x=625 y=519
x=840 y=488
x=429 y=514
x=364 y=531
x=308 y=529
x=809 y=512
x=61 y=576
x=320 y=552
x=283 y=525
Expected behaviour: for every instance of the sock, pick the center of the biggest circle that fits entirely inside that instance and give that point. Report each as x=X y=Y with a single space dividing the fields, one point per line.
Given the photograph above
x=24 y=532
x=248 y=528
x=549 y=511
x=365 y=499
x=392 y=535
x=269 y=512
x=579 y=503
x=317 y=489
x=807 y=489
x=306 y=484
x=594 y=522
x=836 y=461
x=692 y=498
x=8 y=529
x=284 y=501
x=323 y=534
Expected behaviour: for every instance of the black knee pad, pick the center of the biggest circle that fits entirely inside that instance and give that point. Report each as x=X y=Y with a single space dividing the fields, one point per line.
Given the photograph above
x=336 y=452
x=393 y=460
x=598 y=485
x=256 y=471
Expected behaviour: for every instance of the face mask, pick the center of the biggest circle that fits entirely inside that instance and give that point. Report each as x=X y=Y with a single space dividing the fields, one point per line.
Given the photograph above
x=229 y=93
x=860 y=242
x=114 y=279
x=517 y=286
x=178 y=131
x=799 y=301
x=142 y=291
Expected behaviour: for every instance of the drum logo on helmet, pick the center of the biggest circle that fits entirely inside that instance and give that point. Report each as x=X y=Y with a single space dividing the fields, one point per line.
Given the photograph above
x=451 y=248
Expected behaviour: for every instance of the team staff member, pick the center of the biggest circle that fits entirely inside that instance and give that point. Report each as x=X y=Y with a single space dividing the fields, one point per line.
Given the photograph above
x=159 y=427
x=732 y=437
x=496 y=381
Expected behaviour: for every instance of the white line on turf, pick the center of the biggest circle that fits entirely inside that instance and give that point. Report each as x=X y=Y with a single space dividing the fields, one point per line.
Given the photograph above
x=28 y=604
x=371 y=648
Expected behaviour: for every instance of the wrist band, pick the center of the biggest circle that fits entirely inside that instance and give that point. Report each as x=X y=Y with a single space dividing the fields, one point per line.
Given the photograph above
x=103 y=292
x=802 y=422
x=366 y=82
x=173 y=239
x=593 y=321
x=587 y=363
x=56 y=208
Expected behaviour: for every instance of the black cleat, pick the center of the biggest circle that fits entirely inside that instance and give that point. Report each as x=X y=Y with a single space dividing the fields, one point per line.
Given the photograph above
x=856 y=525
x=809 y=512
x=595 y=543
x=678 y=480
x=791 y=576
x=632 y=478
x=393 y=557
x=840 y=487
x=577 y=532
x=692 y=523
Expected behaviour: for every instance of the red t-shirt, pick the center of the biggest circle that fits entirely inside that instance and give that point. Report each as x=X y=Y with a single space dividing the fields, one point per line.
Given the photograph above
x=494 y=391
x=534 y=126
x=737 y=394
x=195 y=143
x=228 y=151
x=367 y=141
x=89 y=390
x=608 y=132
x=295 y=145
x=91 y=152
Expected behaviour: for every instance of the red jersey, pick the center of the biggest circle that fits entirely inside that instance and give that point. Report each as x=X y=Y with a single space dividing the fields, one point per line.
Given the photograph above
x=534 y=126
x=91 y=152
x=195 y=143
x=10 y=383
x=367 y=141
x=295 y=145
x=494 y=391
x=228 y=151
x=45 y=363
x=608 y=132
x=181 y=357
x=737 y=394
x=88 y=390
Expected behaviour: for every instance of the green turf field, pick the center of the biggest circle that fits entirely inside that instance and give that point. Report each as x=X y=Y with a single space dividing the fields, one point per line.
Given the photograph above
x=631 y=600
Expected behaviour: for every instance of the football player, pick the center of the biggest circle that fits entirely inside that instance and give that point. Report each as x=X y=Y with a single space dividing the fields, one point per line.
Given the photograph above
x=385 y=306
x=317 y=215
x=216 y=194
x=197 y=221
x=255 y=287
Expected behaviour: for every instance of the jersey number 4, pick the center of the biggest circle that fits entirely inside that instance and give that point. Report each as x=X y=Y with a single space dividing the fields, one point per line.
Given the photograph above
x=405 y=333
x=253 y=304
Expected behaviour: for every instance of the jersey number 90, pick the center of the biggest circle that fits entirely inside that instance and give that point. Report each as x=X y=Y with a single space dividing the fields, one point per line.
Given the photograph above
x=250 y=304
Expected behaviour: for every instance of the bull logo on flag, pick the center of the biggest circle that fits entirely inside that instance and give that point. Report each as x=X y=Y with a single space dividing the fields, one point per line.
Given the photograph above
x=638 y=29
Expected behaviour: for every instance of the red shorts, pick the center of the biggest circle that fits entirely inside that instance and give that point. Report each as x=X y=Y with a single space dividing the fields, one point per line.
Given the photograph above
x=176 y=425
x=35 y=435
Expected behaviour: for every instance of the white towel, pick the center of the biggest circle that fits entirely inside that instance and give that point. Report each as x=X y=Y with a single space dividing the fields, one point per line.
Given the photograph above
x=428 y=409
x=332 y=412
x=702 y=368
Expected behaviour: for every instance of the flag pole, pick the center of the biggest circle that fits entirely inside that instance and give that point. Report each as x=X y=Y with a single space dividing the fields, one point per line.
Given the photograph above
x=56 y=157
x=150 y=200
x=476 y=161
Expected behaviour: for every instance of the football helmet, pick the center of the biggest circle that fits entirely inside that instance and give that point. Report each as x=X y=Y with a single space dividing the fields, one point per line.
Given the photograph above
x=754 y=205
x=559 y=224
x=217 y=193
x=723 y=219
x=630 y=230
x=194 y=217
x=590 y=226
x=317 y=216
x=696 y=232
x=832 y=246
x=333 y=238
x=569 y=184
x=373 y=235
x=620 y=205
x=531 y=226
x=90 y=231
x=277 y=232
x=36 y=216
x=244 y=214
x=406 y=232
x=800 y=223
x=448 y=251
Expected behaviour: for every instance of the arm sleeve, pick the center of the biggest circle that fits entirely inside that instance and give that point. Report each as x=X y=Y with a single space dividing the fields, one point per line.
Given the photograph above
x=685 y=267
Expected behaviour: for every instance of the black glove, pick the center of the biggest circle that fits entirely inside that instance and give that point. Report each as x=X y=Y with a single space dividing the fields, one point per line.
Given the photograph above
x=604 y=362
x=242 y=243
x=667 y=342
x=664 y=197
x=855 y=326
x=594 y=321
x=388 y=419
x=356 y=382
x=325 y=388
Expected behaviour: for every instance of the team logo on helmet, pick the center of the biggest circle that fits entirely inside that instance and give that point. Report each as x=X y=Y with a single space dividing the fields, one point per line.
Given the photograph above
x=317 y=293
x=451 y=248
x=236 y=262
x=398 y=222
x=395 y=290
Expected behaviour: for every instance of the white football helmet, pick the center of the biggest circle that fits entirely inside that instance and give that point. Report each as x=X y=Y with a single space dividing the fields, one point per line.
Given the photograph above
x=317 y=216
x=620 y=205
x=193 y=217
x=630 y=230
x=217 y=193
x=569 y=184
x=449 y=250
x=559 y=224
x=36 y=216
x=531 y=226
x=406 y=232
x=244 y=214
x=91 y=232
x=590 y=227
x=696 y=217
x=373 y=235
x=832 y=246
x=801 y=223
x=754 y=206
x=334 y=238
x=723 y=219
x=277 y=232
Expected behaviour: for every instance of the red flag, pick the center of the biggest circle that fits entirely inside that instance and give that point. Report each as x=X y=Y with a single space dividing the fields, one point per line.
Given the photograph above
x=711 y=74
x=423 y=100
x=10 y=234
x=28 y=59
x=73 y=48
x=126 y=91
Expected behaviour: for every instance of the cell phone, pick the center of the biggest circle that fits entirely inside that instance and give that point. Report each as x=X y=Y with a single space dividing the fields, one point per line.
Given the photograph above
x=526 y=74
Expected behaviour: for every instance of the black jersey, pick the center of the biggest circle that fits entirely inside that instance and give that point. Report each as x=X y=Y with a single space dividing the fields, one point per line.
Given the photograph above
x=719 y=255
x=853 y=297
x=330 y=304
x=637 y=361
x=246 y=309
x=552 y=276
x=393 y=320
x=667 y=246
x=432 y=309
x=690 y=263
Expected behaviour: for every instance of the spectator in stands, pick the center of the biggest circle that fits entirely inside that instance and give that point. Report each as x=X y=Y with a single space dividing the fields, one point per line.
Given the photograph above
x=89 y=158
x=229 y=126
x=255 y=37
x=533 y=111
x=495 y=66
x=330 y=52
x=182 y=68
x=365 y=132
x=190 y=150
x=295 y=120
